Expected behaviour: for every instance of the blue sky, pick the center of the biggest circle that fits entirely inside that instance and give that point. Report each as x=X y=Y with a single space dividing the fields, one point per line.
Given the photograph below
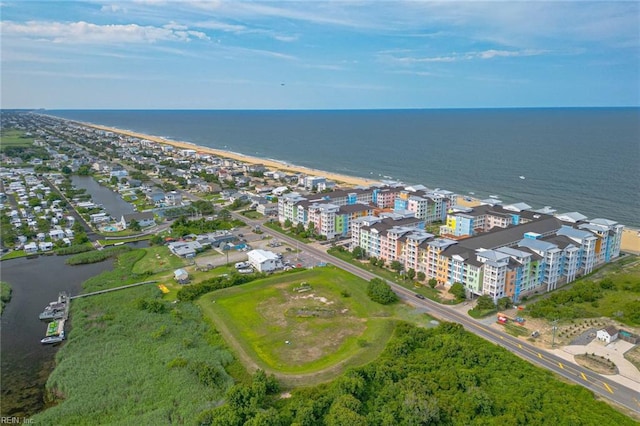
x=154 y=54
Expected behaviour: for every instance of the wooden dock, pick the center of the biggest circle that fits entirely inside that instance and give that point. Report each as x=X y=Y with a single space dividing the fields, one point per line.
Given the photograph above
x=95 y=293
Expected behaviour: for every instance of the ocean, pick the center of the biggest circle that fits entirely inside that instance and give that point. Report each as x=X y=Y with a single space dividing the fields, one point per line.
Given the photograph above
x=572 y=159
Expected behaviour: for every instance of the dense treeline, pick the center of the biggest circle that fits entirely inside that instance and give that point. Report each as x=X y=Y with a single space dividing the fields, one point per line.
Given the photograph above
x=192 y=292
x=583 y=300
x=183 y=226
x=441 y=376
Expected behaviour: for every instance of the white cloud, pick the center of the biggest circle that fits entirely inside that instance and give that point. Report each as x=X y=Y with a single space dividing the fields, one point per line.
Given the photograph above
x=468 y=56
x=87 y=33
x=220 y=26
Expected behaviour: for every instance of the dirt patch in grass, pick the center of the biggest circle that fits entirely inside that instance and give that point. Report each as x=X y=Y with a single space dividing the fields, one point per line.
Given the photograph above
x=299 y=318
x=597 y=363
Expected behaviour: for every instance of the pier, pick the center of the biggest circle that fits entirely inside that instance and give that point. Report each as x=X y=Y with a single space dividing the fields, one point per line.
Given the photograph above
x=95 y=293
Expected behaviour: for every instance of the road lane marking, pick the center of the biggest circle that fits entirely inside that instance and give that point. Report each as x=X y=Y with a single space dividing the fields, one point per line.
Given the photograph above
x=561 y=366
x=607 y=386
x=584 y=377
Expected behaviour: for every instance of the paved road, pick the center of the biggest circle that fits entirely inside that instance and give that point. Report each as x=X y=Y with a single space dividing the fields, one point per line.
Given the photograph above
x=622 y=395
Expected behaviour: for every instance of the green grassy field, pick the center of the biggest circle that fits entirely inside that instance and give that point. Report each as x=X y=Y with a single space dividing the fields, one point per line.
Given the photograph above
x=158 y=259
x=331 y=326
x=14 y=138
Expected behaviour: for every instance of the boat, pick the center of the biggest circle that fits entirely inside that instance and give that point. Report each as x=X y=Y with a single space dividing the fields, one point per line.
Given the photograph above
x=522 y=177
x=50 y=340
x=52 y=314
x=493 y=196
x=55 y=332
x=56 y=309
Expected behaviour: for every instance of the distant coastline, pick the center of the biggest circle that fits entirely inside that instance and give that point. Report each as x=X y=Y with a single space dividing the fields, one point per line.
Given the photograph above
x=631 y=236
x=270 y=163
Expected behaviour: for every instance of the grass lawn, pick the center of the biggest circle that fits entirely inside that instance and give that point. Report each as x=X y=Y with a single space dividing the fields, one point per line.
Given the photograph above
x=324 y=328
x=158 y=259
x=252 y=214
x=15 y=138
x=14 y=254
x=426 y=291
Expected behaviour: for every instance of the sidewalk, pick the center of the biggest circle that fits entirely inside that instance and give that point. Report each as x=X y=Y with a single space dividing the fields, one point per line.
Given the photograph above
x=628 y=374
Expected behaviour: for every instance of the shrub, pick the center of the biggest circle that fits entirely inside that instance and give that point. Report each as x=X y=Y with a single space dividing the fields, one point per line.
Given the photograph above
x=380 y=292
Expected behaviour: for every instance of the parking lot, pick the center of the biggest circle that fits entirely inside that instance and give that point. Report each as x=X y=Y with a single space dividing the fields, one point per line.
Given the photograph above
x=292 y=256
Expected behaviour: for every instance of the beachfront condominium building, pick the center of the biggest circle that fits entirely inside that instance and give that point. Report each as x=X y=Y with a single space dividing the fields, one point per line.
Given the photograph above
x=536 y=256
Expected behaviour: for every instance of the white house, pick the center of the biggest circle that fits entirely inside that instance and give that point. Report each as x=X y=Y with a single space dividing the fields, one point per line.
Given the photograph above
x=607 y=334
x=264 y=261
x=30 y=248
x=45 y=246
x=181 y=276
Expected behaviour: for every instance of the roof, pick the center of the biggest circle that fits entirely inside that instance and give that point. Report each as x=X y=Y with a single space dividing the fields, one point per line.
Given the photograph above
x=574 y=233
x=138 y=216
x=571 y=217
x=261 y=256
x=511 y=235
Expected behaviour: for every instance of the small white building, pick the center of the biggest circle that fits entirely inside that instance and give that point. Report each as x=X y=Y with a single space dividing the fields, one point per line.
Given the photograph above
x=45 y=246
x=30 y=248
x=181 y=276
x=607 y=334
x=264 y=261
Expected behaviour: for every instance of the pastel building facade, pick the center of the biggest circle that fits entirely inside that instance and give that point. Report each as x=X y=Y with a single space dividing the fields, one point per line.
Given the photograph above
x=535 y=256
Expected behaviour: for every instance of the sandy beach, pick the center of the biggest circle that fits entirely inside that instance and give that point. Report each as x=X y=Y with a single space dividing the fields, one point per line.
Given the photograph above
x=271 y=164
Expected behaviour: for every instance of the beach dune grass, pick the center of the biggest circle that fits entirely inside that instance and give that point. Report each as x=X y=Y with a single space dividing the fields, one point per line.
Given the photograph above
x=303 y=322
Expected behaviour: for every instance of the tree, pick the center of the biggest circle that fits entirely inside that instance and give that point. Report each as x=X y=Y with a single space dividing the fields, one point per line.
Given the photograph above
x=380 y=292
x=411 y=273
x=66 y=170
x=485 y=302
x=396 y=266
x=504 y=303
x=457 y=289
x=287 y=223
x=421 y=276
x=358 y=252
x=433 y=282
x=84 y=170
x=224 y=214
x=114 y=180
x=157 y=240
x=134 y=225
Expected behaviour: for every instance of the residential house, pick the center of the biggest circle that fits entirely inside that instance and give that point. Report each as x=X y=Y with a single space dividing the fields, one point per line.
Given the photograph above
x=264 y=261
x=607 y=334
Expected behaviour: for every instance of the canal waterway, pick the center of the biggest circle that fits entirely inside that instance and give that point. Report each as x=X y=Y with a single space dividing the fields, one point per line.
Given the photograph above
x=26 y=363
x=110 y=200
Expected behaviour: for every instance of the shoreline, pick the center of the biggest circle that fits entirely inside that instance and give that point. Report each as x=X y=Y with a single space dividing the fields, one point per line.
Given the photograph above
x=269 y=163
x=630 y=238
